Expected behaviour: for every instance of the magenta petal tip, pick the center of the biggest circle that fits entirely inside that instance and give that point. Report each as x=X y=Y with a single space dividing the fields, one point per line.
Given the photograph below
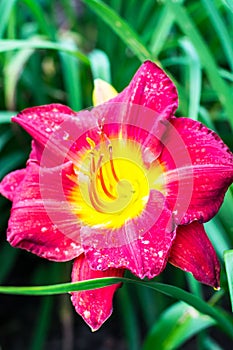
x=193 y=252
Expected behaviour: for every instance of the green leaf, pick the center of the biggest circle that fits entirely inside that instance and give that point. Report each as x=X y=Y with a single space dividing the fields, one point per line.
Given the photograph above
x=71 y=75
x=194 y=286
x=226 y=213
x=129 y=318
x=217 y=235
x=43 y=323
x=228 y=257
x=4 y=138
x=8 y=257
x=100 y=65
x=229 y=3
x=161 y=31
x=121 y=28
x=195 y=79
x=223 y=320
x=11 y=161
x=226 y=75
x=211 y=344
x=206 y=118
x=5 y=10
x=12 y=72
x=221 y=30
x=187 y=25
x=5 y=116
x=36 y=43
x=40 y=17
x=44 y=316
x=175 y=326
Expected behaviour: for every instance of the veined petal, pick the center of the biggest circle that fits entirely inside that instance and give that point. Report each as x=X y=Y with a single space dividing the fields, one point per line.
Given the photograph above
x=11 y=182
x=41 y=121
x=95 y=306
x=193 y=252
x=57 y=130
x=152 y=88
x=198 y=170
x=64 y=131
x=36 y=152
x=42 y=225
x=141 y=245
x=127 y=121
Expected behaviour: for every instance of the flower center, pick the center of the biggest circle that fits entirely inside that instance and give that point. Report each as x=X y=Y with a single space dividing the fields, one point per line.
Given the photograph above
x=113 y=183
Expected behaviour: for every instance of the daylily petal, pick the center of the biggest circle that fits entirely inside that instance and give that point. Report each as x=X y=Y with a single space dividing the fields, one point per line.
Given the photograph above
x=43 y=225
x=36 y=152
x=10 y=183
x=41 y=121
x=152 y=88
x=62 y=127
x=142 y=245
x=193 y=252
x=95 y=306
x=198 y=170
x=139 y=111
x=102 y=92
x=127 y=121
x=59 y=129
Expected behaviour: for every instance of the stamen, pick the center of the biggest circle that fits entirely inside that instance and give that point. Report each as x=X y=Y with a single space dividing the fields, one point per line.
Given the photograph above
x=97 y=173
x=99 y=161
x=112 y=165
x=91 y=142
x=93 y=198
x=104 y=186
x=92 y=167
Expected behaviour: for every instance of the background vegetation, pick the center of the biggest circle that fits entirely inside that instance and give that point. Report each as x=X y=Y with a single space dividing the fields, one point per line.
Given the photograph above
x=50 y=51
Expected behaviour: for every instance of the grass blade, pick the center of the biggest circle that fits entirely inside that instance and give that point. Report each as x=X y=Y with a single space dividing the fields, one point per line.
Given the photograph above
x=40 y=18
x=71 y=76
x=12 y=72
x=175 y=326
x=5 y=117
x=161 y=31
x=217 y=235
x=42 y=324
x=223 y=320
x=5 y=10
x=188 y=27
x=4 y=138
x=195 y=78
x=221 y=30
x=11 y=161
x=121 y=28
x=226 y=213
x=228 y=257
x=100 y=65
x=229 y=3
x=36 y=43
x=210 y=344
x=7 y=260
x=128 y=314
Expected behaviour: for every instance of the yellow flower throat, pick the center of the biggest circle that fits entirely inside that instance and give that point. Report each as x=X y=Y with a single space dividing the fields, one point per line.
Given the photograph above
x=113 y=183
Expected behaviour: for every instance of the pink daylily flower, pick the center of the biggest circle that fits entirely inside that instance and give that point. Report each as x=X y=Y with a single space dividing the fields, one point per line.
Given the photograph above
x=123 y=186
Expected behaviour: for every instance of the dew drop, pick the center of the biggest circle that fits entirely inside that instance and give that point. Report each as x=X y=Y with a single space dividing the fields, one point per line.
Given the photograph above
x=66 y=136
x=87 y=314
